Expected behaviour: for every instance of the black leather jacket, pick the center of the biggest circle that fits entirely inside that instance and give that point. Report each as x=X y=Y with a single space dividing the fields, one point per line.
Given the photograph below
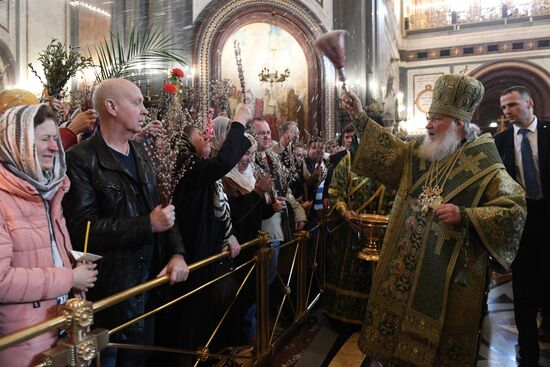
x=102 y=192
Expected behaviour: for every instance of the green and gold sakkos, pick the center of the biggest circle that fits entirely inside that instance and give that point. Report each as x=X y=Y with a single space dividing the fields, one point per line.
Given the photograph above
x=429 y=289
x=348 y=279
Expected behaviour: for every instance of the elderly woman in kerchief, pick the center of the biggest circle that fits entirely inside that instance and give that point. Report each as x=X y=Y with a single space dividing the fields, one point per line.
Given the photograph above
x=36 y=268
x=247 y=197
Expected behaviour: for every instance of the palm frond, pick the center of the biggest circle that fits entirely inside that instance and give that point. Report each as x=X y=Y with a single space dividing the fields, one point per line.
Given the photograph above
x=150 y=47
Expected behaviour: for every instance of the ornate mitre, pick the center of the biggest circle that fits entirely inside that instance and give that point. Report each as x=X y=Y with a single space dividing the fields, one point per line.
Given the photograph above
x=456 y=96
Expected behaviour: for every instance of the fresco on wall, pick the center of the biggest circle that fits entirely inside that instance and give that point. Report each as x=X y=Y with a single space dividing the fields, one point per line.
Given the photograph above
x=268 y=47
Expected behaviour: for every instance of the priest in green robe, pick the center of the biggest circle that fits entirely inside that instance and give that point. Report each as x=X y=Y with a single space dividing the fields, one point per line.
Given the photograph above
x=457 y=215
x=348 y=278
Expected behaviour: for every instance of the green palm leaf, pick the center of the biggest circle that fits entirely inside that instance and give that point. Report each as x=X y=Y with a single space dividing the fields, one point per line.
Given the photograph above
x=150 y=48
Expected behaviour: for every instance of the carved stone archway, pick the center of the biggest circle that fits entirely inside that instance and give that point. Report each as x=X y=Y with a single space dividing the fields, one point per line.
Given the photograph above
x=498 y=76
x=222 y=19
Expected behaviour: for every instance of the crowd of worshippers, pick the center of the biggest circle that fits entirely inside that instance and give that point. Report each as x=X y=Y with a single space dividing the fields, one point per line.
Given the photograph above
x=55 y=179
x=55 y=182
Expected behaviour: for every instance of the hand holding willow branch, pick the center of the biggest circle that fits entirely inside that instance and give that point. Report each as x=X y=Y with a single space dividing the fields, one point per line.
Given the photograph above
x=242 y=114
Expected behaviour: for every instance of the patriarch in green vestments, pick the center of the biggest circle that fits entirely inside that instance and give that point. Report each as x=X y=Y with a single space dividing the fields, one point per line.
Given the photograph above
x=457 y=214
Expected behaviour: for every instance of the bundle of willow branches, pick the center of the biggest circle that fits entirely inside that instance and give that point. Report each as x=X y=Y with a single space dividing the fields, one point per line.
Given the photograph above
x=60 y=65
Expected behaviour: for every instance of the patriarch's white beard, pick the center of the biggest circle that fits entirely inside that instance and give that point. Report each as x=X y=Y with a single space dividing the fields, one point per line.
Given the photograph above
x=436 y=150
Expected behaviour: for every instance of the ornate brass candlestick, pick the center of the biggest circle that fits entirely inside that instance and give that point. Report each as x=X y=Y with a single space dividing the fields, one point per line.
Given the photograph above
x=373 y=228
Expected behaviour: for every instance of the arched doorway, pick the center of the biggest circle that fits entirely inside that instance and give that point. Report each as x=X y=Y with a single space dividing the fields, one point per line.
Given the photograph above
x=223 y=20
x=269 y=54
x=500 y=75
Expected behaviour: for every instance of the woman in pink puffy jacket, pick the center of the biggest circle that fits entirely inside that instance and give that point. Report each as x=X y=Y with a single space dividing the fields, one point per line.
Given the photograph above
x=36 y=267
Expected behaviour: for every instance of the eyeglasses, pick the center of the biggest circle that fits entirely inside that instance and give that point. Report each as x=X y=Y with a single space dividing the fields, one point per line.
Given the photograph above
x=263 y=133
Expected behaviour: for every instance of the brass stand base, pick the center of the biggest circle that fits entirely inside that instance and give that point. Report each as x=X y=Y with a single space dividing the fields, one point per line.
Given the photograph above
x=368 y=254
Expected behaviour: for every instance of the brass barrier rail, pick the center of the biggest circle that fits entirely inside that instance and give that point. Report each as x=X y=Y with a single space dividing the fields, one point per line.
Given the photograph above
x=83 y=346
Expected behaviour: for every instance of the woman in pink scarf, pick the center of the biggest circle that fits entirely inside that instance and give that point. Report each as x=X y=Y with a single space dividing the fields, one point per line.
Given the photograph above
x=36 y=267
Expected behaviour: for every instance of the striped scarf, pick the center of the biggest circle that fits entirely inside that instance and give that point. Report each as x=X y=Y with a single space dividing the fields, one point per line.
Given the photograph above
x=223 y=211
x=18 y=151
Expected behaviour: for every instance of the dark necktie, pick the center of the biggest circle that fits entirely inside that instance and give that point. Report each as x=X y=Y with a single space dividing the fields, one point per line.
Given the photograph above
x=529 y=172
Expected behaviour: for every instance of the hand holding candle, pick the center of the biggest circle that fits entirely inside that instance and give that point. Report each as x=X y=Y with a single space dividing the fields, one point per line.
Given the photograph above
x=85 y=257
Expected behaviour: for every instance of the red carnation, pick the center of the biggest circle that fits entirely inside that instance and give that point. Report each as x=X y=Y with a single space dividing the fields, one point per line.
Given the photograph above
x=170 y=88
x=177 y=72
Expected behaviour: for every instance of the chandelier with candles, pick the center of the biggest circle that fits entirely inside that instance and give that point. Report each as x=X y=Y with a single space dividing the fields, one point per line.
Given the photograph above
x=269 y=73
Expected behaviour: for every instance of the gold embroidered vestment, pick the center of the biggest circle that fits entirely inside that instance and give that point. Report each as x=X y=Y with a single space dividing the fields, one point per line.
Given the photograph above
x=427 y=297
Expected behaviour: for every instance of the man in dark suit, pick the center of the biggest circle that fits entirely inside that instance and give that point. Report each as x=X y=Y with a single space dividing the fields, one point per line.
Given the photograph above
x=525 y=149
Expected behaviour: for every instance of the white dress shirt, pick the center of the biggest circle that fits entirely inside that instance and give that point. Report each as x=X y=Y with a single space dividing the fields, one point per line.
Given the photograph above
x=532 y=136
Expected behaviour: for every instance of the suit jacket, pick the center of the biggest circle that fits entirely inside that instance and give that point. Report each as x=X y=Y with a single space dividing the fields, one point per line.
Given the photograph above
x=505 y=145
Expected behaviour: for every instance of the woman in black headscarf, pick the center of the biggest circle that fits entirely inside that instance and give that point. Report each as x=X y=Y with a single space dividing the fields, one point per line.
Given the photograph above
x=204 y=220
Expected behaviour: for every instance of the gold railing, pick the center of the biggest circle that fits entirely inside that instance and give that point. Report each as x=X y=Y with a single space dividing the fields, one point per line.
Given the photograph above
x=81 y=346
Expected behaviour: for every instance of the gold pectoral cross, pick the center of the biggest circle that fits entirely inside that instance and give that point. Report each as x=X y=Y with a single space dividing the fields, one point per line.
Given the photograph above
x=429 y=198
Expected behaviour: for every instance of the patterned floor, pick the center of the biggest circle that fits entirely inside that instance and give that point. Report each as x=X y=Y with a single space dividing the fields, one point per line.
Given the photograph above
x=499 y=334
